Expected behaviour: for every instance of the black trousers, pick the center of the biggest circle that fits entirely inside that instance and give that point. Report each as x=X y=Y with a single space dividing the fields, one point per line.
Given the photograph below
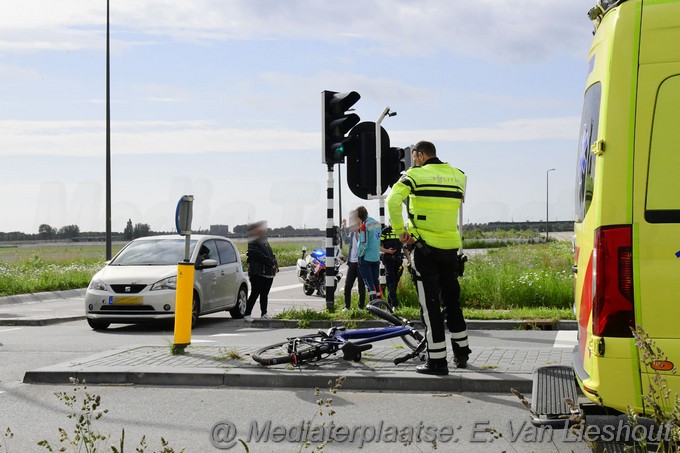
x=259 y=287
x=393 y=270
x=439 y=296
x=352 y=275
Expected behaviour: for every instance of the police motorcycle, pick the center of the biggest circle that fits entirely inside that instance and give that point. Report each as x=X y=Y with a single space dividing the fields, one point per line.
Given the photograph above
x=311 y=271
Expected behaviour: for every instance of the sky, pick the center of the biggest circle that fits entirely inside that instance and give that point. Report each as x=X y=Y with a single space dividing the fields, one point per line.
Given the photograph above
x=221 y=99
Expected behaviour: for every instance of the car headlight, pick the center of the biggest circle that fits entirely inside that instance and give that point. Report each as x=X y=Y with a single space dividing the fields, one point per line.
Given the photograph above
x=166 y=283
x=98 y=285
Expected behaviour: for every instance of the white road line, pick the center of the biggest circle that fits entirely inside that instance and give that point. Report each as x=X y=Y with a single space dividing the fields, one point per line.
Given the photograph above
x=9 y=330
x=565 y=339
x=1 y=392
x=283 y=288
x=227 y=335
x=193 y=340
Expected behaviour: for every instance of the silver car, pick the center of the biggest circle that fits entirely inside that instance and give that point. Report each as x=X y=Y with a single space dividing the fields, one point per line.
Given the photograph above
x=139 y=283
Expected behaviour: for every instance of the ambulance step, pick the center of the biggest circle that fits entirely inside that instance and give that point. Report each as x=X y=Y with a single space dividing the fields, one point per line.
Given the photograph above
x=551 y=386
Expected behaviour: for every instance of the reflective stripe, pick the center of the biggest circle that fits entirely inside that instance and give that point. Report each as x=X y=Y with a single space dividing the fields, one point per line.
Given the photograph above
x=434 y=350
x=459 y=335
x=435 y=355
x=462 y=344
x=439 y=186
x=437 y=193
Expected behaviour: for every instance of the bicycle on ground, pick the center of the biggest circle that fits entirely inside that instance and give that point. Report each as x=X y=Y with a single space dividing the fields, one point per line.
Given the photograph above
x=313 y=347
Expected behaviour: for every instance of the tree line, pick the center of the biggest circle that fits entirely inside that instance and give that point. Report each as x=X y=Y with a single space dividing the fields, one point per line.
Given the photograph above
x=136 y=230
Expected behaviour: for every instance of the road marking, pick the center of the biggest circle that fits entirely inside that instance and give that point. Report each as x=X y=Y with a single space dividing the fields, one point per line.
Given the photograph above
x=9 y=330
x=283 y=288
x=227 y=335
x=202 y=341
x=1 y=392
x=565 y=339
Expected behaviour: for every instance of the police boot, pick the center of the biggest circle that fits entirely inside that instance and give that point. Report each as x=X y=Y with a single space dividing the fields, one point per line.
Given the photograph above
x=460 y=355
x=437 y=367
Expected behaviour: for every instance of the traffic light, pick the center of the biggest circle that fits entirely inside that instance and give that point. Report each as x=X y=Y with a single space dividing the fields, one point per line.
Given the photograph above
x=335 y=123
x=398 y=161
x=361 y=162
x=405 y=158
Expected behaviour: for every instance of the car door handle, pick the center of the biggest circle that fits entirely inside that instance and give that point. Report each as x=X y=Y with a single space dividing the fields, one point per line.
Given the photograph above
x=574 y=269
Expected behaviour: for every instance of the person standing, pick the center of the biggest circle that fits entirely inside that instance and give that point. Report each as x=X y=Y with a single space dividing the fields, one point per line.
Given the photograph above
x=392 y=258
x=435 y=191
x=262 y=267
x=369 y=252
x=351 y=236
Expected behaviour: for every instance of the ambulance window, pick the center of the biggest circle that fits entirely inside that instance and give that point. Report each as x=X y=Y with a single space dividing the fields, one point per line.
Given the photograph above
x=585 y=162
x=663 y=182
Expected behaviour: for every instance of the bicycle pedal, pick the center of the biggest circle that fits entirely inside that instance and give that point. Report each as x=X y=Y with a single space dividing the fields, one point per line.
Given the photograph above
x=351 y=350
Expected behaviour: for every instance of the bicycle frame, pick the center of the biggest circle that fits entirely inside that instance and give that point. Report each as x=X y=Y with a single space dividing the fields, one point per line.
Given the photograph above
x=370 y=335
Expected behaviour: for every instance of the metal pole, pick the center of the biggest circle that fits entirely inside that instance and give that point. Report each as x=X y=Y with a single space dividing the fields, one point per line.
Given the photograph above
x=382 y=280
x=340 y=199
x=331 y=242
x=108 y=140
x=547 y=174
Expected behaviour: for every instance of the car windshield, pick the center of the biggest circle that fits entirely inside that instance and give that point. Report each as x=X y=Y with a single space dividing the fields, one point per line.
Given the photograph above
x=160 y=252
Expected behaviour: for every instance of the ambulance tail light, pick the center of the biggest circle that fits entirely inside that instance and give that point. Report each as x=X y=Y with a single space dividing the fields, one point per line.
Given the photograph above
x=613 y=314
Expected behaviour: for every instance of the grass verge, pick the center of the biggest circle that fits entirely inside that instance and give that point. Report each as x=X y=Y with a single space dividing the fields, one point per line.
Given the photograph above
x=303 y=316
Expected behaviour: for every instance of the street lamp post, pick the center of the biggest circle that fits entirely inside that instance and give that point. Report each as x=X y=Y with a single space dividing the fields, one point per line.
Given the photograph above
x=547 y=197
x=108 y=140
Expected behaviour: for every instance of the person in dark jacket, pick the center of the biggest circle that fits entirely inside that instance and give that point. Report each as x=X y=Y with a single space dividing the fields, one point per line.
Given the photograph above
x=262 y=267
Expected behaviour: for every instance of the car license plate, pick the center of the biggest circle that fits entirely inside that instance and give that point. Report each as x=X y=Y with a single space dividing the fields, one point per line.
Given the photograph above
x=125 y=300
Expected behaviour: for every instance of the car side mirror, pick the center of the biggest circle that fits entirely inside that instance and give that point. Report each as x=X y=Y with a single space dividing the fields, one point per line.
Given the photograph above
x=206 y=264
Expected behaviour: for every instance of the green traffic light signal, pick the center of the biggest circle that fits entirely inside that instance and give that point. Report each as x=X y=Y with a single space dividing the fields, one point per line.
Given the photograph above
x=336 y=123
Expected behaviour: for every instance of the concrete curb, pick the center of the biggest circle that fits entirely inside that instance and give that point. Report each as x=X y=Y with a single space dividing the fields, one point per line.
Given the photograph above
x=42 y=297
x=24 y=322
x=267 y=378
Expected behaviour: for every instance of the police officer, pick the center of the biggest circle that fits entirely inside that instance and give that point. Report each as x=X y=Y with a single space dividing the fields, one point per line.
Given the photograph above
x=435 y=191
x=392 y=258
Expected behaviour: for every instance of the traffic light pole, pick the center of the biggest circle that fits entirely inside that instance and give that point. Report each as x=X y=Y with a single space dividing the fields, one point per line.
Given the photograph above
x=331 y=242
x=378 y=174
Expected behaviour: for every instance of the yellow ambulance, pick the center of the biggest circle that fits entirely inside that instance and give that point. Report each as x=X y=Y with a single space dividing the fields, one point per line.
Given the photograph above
x=627 y=230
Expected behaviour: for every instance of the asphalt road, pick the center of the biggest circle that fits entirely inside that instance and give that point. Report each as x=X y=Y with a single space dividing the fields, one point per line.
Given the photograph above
x=186 y=417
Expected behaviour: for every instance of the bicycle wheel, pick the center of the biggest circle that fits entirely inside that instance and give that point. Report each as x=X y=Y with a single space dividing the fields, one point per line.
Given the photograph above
x=297 y=350
x=383 y=310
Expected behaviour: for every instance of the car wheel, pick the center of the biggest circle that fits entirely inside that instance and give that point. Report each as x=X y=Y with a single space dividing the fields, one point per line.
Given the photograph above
x=241 y=302
x=195 y=310
x=98 y=325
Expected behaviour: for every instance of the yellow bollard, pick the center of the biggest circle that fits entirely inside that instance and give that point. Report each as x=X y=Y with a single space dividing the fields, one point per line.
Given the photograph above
x=184 y=298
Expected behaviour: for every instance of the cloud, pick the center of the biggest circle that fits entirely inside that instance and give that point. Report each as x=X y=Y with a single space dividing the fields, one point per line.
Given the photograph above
x=506 y=30
x=520 y=130
x=87 y=138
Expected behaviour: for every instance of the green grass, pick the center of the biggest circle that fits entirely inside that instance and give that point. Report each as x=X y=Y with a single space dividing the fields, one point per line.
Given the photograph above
x=537 y=275
x=530 y=276
x=532 y=281
x=304 y=316
x=60 y=266
x=32 y=275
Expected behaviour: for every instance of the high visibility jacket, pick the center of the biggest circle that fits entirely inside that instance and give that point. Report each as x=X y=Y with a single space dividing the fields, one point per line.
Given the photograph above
x=435 y=191
x=389 y=239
